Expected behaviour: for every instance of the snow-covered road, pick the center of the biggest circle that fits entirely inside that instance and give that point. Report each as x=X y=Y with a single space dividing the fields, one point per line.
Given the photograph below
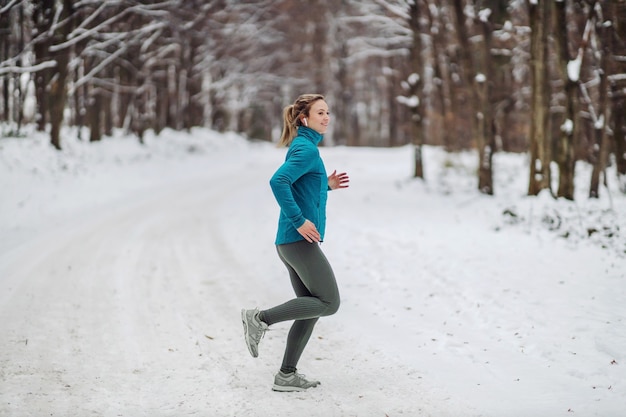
x=120 y=291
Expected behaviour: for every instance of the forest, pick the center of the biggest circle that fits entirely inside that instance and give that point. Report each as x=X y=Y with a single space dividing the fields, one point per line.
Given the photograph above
x=541 y=77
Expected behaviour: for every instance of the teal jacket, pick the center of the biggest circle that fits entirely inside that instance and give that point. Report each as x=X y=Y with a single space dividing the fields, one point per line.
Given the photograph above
x=300 y=186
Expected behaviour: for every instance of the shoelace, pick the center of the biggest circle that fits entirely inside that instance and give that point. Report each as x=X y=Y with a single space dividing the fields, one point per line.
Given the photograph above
x=260 y=332
x=261 y=336
x=302 y=377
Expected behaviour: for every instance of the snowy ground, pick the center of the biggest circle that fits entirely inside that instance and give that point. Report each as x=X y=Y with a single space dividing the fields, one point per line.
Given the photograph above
x=123 y=269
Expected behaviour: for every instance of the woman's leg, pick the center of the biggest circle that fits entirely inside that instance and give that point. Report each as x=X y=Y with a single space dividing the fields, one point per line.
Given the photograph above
x=298 y=337
x=314 y=283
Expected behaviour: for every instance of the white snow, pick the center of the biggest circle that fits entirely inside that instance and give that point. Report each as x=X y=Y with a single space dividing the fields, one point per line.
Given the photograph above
x=123 y=269
x=567 y=126
x=412 y=101
x=574 y=66
x=599 y=123
x=484 y=14
x=414 y=78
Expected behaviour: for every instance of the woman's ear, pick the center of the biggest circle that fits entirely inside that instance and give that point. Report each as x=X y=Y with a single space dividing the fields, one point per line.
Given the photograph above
x=304 y=122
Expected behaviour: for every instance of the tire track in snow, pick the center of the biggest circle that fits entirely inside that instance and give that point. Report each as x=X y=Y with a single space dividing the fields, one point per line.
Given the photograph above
x=112 y=310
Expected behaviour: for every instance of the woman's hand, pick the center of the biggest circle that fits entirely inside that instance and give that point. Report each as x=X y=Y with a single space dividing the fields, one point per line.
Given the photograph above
x=309 y=232
x=338 y=180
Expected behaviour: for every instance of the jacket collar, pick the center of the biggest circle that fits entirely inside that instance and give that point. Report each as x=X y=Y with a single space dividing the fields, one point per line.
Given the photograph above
x=310 y=134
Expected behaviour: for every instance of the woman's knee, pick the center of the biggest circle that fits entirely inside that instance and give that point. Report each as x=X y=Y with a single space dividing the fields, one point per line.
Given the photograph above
x=332 y=306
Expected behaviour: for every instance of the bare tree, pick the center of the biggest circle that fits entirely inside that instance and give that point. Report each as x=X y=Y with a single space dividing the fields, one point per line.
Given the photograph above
x=442 y=84
x=476 y=74
x=569 y=73
x=540 y=140
x=12 y=38
x=415 y=86
x=617 y=82
x=53 y=23
x=600 y=153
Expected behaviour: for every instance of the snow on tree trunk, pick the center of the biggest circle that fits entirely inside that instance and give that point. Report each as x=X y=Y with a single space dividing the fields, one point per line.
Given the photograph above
x=479 y=99
x=600 y=154
x=618 y=90
x=540 y=146
x=568 y=133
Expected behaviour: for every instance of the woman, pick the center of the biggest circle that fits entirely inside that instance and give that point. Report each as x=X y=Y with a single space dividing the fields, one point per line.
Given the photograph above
x=300 y=186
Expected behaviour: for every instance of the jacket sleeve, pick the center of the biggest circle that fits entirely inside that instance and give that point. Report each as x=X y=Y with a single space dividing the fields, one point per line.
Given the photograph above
x=300 y=160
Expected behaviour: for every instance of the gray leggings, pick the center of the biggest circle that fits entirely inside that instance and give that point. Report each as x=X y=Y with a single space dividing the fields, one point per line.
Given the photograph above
x=314 y=283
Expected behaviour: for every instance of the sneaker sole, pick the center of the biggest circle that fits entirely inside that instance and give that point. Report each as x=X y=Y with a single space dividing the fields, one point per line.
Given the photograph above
x=244 y=320
x=284 y=388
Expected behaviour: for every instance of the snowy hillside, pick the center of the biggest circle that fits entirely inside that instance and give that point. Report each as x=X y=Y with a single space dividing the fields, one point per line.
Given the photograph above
x=123 y=269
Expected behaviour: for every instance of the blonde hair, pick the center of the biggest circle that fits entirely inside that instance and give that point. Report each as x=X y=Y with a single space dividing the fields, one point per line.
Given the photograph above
x=291 y=116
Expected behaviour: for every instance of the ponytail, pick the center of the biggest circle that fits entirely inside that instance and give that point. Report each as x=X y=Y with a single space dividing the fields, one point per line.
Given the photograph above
x=291 y=116
x=289 y=126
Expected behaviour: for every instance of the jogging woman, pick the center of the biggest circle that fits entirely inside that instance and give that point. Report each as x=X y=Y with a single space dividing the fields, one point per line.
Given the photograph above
x=300 y=186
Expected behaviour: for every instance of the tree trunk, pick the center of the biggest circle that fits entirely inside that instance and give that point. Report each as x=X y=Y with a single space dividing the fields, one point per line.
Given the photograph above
x=618 y=94
x=540 y=149
x=43 y=11
x=601 y=150
x=107 y=114
x=443 y=82
x=416 y=89
x=78 y=102
x=342 y=131
x=173 y=87
x=20 y=95
x=481 y=117
x=123 y=97
x=139 y=116
x=318 y=44
x=193 y=108
x=565 y=157
x=94 y=115
x=162 y=111
x=619 y=138
x=485 y=138
x=5 y=30
x=392 y=87
x=57 y=93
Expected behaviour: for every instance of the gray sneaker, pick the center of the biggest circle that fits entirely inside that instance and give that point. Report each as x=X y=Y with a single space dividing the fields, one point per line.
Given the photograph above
x=292 y=382
x=253 y=330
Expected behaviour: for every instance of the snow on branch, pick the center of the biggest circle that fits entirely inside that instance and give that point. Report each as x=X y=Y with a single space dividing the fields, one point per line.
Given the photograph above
x=483 y=15
x=8 y=7
x=75 y=38
x=587 y=99
x=377 y=21
x=411 y=102
x=22 y=70
x=93 y=16
x=386 y=43
x=413 y=79
x=371 y=53
x=89 y=33
x=574 y=66
x=88 y=77
x=567 y=127
x=400 y=12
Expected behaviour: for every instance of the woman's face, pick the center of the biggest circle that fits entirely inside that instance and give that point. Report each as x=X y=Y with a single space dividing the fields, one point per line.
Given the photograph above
x=319 y=117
